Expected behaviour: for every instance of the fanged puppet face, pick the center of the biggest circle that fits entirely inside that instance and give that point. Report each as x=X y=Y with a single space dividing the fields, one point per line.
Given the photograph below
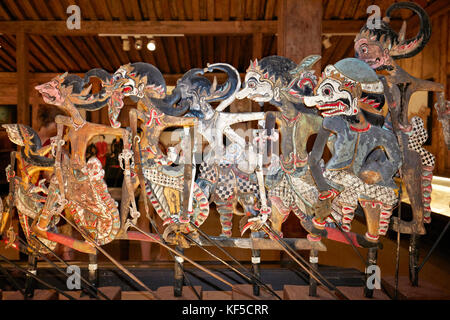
x=52 y=92
x=302 y=85
x=372 y=53
x=132 y=84
x=334 y=97
x=126 y=82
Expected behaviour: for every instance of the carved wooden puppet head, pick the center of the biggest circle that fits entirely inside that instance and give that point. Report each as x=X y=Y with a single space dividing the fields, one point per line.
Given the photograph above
x=303 y=80
x=198 y=92
x=265 y=78
x=379 y=46
x=346 y=88
x=52 y=92
x=67 y=91
x=142 y=82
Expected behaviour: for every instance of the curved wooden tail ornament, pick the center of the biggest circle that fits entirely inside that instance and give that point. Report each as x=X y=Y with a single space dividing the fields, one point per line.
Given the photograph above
x=32 y=151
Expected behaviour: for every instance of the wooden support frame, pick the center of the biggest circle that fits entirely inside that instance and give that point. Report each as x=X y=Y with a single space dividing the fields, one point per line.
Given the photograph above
x=243 y=243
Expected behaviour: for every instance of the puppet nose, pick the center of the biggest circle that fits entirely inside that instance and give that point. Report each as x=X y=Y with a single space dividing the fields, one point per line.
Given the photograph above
x=242 y=94
x=309 y=101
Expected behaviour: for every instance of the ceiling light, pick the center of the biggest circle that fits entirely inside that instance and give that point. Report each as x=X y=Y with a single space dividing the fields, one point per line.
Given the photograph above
x=151 y=45
x=326 y=42
x=138 y=43
x=125 y=43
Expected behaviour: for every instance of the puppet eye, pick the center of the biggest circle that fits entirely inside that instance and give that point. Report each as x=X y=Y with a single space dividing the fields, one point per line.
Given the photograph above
x=327 y=91
x=252 y=84
x=117 y=76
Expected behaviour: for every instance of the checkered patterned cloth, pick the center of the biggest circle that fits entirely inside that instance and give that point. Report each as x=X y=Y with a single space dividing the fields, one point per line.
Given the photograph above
x=417 y=139
x=244 y=185
x=208 y=172
x=354 y=188
x=226 y=185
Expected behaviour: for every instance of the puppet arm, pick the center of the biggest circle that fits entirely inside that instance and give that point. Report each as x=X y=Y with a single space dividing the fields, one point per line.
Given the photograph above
x=232 y=118
x=314 y=159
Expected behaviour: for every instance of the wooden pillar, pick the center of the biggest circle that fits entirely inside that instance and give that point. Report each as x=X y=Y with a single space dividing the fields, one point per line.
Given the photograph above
x=257 y=53
x=442 y=162
x=300 y=29
x=257 y=46
x=299 y=35
x=96 y=116
x=246 y=105
x=35 y=100
x=23 y=98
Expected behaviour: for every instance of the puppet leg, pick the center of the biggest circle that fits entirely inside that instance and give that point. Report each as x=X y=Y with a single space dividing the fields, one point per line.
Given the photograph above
x=279 y=215
x=225 y=210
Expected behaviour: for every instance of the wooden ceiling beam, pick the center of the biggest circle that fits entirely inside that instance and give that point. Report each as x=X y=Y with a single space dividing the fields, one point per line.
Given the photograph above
x=140 y=27
x=333 y=27
x=349 y=27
